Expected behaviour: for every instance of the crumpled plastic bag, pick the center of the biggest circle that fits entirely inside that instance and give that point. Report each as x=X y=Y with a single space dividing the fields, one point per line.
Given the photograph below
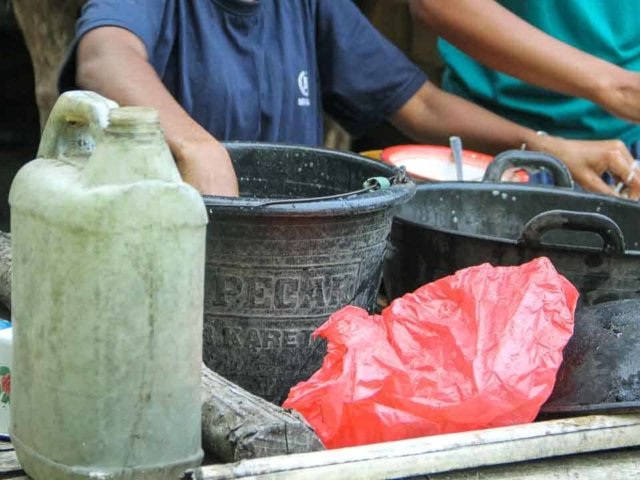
x=478 y=349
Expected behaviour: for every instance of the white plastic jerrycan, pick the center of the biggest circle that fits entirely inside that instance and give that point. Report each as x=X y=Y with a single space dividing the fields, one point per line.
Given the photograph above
x=108 y=280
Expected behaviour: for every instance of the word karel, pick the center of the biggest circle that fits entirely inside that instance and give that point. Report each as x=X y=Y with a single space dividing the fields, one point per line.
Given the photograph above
x=269 y=339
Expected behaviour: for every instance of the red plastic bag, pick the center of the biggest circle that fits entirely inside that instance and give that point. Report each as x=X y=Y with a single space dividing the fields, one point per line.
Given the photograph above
x=475 y=350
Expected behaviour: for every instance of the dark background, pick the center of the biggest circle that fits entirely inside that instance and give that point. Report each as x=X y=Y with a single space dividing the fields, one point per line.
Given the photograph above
x=19 y=124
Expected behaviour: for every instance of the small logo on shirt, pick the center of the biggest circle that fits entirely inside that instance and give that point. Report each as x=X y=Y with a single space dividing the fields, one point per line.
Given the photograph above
x=303 y=85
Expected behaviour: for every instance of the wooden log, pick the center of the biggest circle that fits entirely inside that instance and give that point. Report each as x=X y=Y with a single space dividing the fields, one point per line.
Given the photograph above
x=237 y=425
x=467 y=451
x=5 y=270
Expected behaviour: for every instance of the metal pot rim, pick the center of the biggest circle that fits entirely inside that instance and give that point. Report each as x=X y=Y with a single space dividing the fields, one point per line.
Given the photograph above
x=496 y=189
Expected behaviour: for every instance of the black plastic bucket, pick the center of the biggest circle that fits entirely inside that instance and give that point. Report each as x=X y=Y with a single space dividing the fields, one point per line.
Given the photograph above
x=277 y=271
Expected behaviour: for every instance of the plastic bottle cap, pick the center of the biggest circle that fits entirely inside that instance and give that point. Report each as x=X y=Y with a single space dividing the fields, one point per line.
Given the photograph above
x=134 y=118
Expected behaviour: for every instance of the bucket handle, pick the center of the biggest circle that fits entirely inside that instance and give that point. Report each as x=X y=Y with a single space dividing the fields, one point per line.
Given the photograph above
x=373 y=184
x=522 y=159
x=605 y=227
x=75 y=125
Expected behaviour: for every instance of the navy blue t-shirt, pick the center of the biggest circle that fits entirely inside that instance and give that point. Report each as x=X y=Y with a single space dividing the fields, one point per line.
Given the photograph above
x=264 y=71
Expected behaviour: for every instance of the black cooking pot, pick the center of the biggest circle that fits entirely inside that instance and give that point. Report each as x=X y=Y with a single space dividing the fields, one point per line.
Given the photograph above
x=593 y=240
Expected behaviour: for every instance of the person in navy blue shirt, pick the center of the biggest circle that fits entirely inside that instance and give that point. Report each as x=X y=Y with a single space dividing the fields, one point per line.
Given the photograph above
x=264 y=70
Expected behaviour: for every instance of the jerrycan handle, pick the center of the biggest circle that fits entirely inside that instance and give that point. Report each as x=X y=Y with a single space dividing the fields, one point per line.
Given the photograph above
x=75 y=125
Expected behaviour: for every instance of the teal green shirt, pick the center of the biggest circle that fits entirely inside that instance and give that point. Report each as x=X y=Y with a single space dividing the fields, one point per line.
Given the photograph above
x=609 y=29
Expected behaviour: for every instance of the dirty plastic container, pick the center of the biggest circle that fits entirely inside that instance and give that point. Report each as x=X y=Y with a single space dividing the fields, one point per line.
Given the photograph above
x=276 y=272
x=108 y=270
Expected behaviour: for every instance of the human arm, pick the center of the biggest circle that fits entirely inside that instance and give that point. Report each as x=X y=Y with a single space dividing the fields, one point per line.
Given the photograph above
x=103 y=55
x=501 y=40
x=432 y=115
x=388 y=86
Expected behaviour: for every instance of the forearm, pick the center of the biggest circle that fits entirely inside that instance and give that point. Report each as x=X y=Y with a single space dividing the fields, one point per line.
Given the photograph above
x=113 y=62
x=432 y=116
x=502 y=41
x=102 y=67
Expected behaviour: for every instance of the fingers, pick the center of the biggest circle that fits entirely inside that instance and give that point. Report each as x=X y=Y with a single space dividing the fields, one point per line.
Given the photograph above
x=587 y=160
x=592 y=182
x=622 y=165
x=634 y=189
x=619 y=163
x=632 y=182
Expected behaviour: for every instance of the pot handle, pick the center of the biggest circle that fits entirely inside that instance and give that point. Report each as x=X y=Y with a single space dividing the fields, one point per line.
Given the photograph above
x=75 y=125
x=522 y=158
x=602 y=225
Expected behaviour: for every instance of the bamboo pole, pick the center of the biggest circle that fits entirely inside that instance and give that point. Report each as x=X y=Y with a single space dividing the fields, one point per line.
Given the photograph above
x=616 y=465
x=445 y=453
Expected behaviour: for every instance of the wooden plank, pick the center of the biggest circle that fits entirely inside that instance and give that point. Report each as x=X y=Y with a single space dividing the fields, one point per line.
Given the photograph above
x=616 y=465
x=5 y=446
x=445 y=453
x=9 y=465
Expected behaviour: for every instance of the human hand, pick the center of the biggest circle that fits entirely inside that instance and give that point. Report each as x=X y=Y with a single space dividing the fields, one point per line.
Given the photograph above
x=205 y=165
x=587 y=160
x=619 y=94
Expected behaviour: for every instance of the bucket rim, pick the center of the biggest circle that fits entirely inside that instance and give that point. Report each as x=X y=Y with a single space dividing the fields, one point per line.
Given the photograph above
x=404 y=219
x=357 y=204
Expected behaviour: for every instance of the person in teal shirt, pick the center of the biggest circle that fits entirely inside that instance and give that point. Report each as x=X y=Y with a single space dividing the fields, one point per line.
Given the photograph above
x=566 y=67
